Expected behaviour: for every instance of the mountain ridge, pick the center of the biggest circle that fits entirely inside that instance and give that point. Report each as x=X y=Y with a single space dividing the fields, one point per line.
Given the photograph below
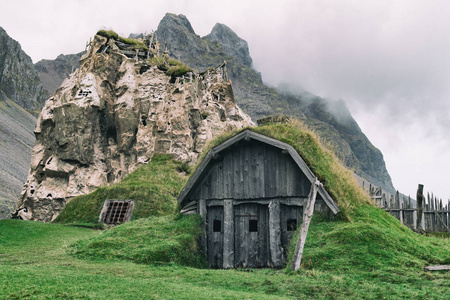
x=21 y=95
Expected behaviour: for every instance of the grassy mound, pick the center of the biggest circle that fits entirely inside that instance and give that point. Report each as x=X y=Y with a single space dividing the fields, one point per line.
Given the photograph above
x=153 y=240
x=154 y=187
x=374 y=242
x=364 y=238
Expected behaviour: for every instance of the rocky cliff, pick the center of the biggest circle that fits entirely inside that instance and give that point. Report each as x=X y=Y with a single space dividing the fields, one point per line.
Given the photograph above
x=113 y=113
x=52 y=72
x=20 y=94
x=19 y=80
x=330 y=119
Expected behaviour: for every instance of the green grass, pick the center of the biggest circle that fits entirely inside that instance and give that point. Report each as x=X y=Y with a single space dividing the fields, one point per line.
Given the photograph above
x=36 y=263
x=173 y=67
x=364 y=254
x=159 y=240
x=177 y=71
x=154 y=187
x=137 y=43
x=108 y=34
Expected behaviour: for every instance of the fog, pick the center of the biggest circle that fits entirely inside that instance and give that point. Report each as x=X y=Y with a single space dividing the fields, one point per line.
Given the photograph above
x=388 y=60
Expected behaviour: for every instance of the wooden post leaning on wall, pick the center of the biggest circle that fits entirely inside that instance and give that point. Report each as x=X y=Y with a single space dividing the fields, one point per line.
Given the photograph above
x=420 y=202
x=307 y=216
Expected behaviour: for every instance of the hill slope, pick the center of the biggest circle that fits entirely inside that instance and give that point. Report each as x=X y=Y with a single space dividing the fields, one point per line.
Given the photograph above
x=372 y=256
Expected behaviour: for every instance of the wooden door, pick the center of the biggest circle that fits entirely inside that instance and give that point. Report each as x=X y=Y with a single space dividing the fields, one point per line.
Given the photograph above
x=251 y=245
x=215 y=236
x=291 y=219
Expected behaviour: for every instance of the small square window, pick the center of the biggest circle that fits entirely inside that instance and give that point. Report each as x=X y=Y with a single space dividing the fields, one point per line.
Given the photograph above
x=291 y=225
x=217 y=226
x=253 y=226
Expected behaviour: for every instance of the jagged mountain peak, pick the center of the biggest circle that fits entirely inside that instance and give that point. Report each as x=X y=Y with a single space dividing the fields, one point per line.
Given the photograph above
x=232 y=44
x=173 y=21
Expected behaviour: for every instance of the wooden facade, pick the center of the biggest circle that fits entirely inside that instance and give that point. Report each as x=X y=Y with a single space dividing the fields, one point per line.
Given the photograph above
x=250 y=192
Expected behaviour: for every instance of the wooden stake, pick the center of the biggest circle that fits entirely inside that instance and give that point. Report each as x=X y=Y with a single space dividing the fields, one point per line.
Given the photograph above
x=420 y=203
x=307 y=216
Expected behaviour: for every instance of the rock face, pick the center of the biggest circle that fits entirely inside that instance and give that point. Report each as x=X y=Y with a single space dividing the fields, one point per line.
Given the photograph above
x=111 y=115
x=19 y=80
x=232 y=45
x=330 y=119
x=17 y=139
x=53 y=72
x=20 y=94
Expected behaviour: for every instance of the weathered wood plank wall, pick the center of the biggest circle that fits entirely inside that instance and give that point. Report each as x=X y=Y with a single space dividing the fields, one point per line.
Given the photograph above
x=254 y=171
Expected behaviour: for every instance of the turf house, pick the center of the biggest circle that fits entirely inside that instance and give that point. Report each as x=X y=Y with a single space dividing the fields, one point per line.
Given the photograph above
x=251 y=191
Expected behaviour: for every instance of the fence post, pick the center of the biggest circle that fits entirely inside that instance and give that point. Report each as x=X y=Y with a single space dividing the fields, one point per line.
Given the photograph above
x=420 y=216
x=400 y=207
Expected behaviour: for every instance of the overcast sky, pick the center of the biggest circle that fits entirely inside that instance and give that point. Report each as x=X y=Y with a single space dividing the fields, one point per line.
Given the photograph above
x=388 y=60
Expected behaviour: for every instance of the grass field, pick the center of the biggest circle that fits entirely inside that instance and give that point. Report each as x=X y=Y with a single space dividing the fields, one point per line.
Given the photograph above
x=364 y=254
x=36 y=263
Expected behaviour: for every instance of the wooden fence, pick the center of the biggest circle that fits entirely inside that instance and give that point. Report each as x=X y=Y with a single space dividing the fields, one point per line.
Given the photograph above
x=426 y=214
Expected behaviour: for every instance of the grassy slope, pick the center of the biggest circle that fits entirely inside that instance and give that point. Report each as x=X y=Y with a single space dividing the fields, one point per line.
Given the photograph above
x=366 y=253
x=153 y=186
x=164 y=239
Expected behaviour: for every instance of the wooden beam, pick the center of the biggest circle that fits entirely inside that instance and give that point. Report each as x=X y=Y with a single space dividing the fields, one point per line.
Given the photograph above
x=294 y=201
x=276 y=251
x=228 y=234
x=307 y=216
x=203 y=213
x=438 y=268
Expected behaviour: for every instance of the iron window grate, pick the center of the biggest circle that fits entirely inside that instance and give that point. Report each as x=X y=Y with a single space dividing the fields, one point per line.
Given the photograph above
x=116 y=211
